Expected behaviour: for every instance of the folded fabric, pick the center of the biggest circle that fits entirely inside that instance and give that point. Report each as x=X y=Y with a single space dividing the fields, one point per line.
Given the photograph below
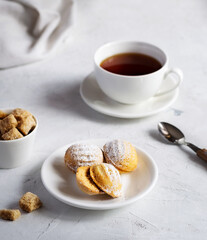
x=32 y=29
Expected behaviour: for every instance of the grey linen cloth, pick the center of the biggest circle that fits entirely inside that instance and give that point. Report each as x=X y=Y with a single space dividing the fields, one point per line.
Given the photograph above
x=30 y=30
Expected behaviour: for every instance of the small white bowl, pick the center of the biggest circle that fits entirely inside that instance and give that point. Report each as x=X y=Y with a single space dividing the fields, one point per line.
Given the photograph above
x=14 y=153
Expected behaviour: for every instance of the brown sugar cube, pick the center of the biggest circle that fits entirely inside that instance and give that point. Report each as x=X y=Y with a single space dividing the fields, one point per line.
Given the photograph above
x=12 y=134
x=26 y=124
x=8 y=123
x=10 y=214
x=2 y=114
x=26 y=121
x=20 y=113
x=29 y=202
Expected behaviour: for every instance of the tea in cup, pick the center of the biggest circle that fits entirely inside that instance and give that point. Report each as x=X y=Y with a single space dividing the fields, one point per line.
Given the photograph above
x=133 y=72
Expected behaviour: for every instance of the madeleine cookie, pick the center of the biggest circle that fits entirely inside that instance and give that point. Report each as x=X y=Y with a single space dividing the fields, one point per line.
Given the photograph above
x=107 y=178
x=79 y=155
x=85 y=182
x=121 y=154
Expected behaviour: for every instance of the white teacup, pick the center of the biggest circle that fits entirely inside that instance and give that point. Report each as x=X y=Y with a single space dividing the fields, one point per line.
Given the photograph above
x=14 y=153
x=133 y=89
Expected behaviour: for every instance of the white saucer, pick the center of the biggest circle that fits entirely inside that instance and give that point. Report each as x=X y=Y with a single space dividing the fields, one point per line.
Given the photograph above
x=61 y=182
x=96 y=99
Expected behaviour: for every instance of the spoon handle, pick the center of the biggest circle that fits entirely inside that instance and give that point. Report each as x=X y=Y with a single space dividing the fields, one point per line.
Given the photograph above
x=202 y=153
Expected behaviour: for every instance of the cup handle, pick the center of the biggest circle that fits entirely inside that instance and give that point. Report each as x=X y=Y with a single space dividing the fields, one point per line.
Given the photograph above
x=179 y=79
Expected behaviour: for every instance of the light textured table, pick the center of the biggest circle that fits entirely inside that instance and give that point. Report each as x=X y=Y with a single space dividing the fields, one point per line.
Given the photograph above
x=177 y=206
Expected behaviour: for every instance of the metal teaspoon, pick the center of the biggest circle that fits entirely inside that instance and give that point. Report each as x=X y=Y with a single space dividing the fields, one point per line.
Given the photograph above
x=174 y=135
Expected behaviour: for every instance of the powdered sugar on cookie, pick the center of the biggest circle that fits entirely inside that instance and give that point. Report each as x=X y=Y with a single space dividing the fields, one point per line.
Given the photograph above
x=116 y=151
x=79 y=155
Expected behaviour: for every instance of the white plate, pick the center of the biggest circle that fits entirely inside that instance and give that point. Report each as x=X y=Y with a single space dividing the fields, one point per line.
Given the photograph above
x=96 y=99
x=61 y=182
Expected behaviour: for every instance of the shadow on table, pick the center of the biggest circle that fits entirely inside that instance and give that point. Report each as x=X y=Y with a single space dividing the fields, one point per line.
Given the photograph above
x=189 y=153
x=67 y=98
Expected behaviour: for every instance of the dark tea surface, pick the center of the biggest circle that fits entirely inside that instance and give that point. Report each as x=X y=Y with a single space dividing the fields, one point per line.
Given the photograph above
x=131 y=64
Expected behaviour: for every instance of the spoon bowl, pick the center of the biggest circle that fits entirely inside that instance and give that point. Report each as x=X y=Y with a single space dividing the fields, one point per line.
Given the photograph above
x=174 y=135
x=170 y=132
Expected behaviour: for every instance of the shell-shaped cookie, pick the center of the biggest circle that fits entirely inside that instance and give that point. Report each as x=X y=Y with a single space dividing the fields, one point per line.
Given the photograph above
x=121 y=154
x=107 y=178
x=79 y=155
x=85 y=182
